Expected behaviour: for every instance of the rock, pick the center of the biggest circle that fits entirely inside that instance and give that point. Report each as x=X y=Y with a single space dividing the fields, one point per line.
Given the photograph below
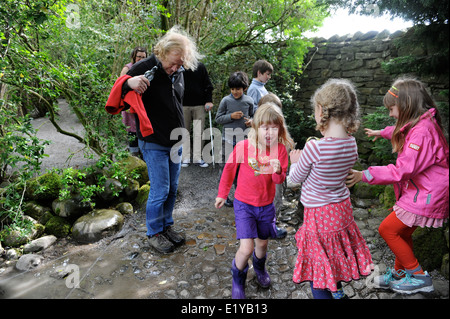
x=45 y=187
x=58 y=226
x=28 y=262
x=125 y=208
x=430 y=247
x=220 y=249
x=388 y=198
x=39 y=244
x=136 y=165
x=15 y=238
x=12 y=254
x=19 y=236
x=360 y=213
x=37 y=211
x=97 y=224
x=72 y=207
x=364 y=190
x=112 y=187
x=132 y=190
x=142 y=196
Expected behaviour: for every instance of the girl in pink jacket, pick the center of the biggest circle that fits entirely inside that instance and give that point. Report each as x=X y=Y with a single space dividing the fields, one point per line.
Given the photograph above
x=420 y=178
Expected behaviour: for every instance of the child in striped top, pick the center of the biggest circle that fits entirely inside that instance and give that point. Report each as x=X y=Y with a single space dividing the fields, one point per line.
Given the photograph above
x=331 y=248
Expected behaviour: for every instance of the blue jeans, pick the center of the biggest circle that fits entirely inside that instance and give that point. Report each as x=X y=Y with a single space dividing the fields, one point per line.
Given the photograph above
x=163 y=174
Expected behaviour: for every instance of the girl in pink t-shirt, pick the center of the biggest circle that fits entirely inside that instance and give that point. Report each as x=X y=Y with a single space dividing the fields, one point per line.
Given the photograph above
x=262 y=160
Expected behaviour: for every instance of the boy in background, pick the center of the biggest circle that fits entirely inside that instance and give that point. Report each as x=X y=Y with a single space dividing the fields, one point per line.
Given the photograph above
x=234 y=113
x=262 y=72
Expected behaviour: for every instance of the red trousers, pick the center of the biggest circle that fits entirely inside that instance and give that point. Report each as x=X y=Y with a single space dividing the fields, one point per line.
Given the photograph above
x=398 y=237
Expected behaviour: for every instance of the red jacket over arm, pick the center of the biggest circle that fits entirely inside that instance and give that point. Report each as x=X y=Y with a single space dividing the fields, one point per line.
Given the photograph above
x=116 y=104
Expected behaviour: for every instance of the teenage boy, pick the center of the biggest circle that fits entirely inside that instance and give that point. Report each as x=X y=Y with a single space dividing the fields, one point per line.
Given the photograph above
x=262 y=72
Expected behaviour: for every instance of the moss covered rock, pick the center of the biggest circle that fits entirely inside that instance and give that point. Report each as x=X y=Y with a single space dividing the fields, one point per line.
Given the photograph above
x=21 y=234
x=125 y=208
x=387 y=198
x=364 y=190
x=133 y=163
x=71 y=208
x=430 y=247
x=58 y=226
x=44 y=188
x=444 y=267
x=37 y=211
x=142 y=196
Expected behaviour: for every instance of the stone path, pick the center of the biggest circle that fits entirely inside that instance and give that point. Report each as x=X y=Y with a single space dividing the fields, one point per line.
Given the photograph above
x=125 y=266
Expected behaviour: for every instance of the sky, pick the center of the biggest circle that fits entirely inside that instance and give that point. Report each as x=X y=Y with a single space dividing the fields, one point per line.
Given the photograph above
x=341 y=23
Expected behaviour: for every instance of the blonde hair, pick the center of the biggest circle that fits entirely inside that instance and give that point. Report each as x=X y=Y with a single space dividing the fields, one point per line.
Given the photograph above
x=412 y=100
x=270 y=97
x=339 y=101
x=177 y=40
x=269 y=113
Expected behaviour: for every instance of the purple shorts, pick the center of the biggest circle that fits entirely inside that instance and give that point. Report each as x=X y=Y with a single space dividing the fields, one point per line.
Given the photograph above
x=254 y=222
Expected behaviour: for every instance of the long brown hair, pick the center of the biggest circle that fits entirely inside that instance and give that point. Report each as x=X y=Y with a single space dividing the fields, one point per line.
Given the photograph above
x=412 y=100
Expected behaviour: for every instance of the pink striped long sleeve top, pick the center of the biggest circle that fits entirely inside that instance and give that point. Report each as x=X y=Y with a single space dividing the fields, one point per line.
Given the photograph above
x=322 y=168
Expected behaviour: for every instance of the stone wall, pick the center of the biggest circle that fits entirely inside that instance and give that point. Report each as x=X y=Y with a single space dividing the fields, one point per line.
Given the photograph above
x=358 y=58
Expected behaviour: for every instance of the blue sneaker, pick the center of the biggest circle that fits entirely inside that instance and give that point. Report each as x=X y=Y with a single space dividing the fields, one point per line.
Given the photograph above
x=391 y=275
x=413 y=283
x=201 y=163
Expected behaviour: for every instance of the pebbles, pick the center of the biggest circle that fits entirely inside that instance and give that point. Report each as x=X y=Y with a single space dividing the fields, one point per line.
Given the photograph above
x=127 y=267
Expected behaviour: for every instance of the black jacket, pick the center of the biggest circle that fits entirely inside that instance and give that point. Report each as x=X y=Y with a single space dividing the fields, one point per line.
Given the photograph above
x=162 y=101
x=198 y=86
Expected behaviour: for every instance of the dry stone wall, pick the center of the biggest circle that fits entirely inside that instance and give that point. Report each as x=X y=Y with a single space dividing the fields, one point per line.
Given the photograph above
x=358 y=58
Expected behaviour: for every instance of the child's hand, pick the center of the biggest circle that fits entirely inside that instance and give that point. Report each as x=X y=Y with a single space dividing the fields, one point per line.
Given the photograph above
x=237 y=115
x=353 y=177
x=219 y=202
x=248 y=122
x=294 y=155
x=376 y=133
x=276 y=165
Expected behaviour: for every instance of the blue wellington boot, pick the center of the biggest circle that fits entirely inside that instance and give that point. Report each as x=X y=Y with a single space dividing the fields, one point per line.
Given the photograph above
x=262 y=276
x=239 y=277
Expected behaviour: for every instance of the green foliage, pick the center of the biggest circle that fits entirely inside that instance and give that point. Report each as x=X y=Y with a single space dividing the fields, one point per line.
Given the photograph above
x=419 y=11
x=424 y=51
x=45 y=187
x=382 y=148
x=51 y=49
x=300 y=125
x=444 y=110
x=21 y=150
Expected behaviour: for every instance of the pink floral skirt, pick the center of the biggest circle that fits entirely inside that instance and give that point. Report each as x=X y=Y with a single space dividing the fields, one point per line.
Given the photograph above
x=331 y=247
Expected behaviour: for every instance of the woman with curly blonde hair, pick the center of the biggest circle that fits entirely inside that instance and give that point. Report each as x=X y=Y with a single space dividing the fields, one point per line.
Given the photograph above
x=162 y=103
